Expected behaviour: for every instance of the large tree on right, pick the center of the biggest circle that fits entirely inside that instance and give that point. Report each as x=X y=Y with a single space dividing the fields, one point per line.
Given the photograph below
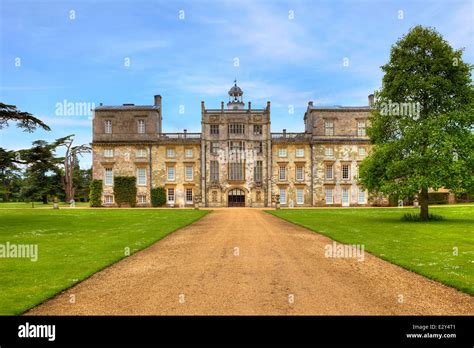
x=423 y=120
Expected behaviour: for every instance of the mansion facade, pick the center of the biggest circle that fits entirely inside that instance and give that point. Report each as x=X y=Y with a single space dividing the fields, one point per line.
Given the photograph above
x=236 y=160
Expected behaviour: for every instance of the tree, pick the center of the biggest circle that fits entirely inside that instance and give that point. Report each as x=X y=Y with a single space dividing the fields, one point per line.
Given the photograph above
x=42 y=176
x=23 y=120
x=422 y=121
x=70 y=163
x=10 y=173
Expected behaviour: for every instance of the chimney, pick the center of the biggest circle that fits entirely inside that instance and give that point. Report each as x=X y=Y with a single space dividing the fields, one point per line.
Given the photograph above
x=202 y=106
x=310 y=103
x=371 y=99
x=284 y=132
x=185 y=132
x=100 y=104
x=268 y=105
x=158 y=100
x=250 y=106
x=222 y=105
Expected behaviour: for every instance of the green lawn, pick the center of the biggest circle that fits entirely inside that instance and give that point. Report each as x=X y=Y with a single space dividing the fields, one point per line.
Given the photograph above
x=72 y=245
x=425 y=248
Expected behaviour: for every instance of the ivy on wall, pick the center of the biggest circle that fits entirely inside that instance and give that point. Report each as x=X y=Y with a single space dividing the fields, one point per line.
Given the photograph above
x=95 y=193
x=125 y=190
x=158 y=196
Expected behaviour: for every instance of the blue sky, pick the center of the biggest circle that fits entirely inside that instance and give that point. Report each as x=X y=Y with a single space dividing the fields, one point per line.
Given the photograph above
x=289 y=52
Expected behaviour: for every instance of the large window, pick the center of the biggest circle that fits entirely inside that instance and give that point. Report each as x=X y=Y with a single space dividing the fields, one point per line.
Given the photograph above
x=236 y=171
x=329 y=127
x=108 y=199
x=329 y=173
x=171 y=173
x=361 y=196
x=109 y=177
x=214 y=169
x=361 y=128
x=141 y=176
x=189 y=173
x=236 y=128
x=329 y=152
x=108 y=126
x=236 y=145
x=189 y=195
x=282 y=173
x=258 y=171
x=171 y=195
x=188 y=153
x=299 y=152
x=283 y=196
x=299 y=173
x=141 y=126
x=345 y=172
x=259 y=147
x=299 y=196
x=170 y=153
x=329 y=196
x=214 y=129
x=109 y=153
x=257 y=129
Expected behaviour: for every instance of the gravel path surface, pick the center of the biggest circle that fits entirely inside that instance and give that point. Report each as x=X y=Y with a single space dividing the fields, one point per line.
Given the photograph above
x=245 y=261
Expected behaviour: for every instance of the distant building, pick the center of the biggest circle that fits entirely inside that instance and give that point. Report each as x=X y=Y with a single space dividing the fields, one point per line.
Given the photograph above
x=236 y=160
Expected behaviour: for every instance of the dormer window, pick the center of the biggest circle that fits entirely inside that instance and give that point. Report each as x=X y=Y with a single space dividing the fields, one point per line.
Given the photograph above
x=108 y=126
x=361 y=128
x=329 y=128
x=141 y=126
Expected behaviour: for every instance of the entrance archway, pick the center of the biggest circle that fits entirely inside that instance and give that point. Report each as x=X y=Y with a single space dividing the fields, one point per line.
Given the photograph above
x=236 y=198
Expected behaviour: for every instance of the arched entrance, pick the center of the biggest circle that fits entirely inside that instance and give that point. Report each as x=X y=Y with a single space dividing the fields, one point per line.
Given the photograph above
x=236 y=198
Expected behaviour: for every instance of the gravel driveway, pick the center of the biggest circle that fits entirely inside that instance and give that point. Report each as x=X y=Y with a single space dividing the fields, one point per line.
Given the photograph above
x=245 y=261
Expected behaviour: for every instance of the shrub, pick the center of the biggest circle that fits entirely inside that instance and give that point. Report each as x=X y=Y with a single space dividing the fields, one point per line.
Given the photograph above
x=95 y=193
x=158 y=196
x=415 y=217
x=125 y=190
x=438 y=198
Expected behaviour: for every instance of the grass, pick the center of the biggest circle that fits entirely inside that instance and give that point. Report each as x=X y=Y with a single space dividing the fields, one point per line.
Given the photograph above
x=72 y=245
x=426 y=248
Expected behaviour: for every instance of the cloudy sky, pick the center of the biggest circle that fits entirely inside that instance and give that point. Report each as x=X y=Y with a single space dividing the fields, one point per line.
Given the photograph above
x=288 y=52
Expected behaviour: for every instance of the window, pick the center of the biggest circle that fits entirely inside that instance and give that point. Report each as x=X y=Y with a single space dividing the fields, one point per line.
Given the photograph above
x=142 y=199
x=361 y=128
x=299 y=173
x=299 y=196
x=282 y=152
x=109 y=177
x=345 y=172
x=329 y=196
x=141 y=153
x=189 y=173
x=361 y=196
x=362 y=152
x=189 y=195
x=109 y=153
x=214 y=147
x=236 y=145
x=329 y=174
x=283 y=196
x=259 y=147
x=188 y=153
x=108 y=126
x=236 y=128
x=299 y=152
x=236 y=171
x=171 y=195
x=170 y=172
x=329 y=152
x=345 y=196
x=214 y=129
x=170 y=152
x=258 y=171
x=282 y=173
x=214 y=169
x=257 y=129
x=329 y=128
x=141 y=126
x=109 y=199
x=141 y=176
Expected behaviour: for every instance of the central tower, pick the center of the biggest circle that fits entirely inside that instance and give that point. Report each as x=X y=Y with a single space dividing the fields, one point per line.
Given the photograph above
x=236 y=101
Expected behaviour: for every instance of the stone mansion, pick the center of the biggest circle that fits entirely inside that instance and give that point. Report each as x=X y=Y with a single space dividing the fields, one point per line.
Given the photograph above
x=236 y=160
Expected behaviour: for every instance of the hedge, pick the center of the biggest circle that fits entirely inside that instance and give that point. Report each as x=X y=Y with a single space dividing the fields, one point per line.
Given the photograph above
x=125 y=190
x=158 y=196
x=95 y=193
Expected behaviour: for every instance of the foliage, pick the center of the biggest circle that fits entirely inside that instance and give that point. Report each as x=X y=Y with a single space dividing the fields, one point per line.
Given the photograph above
x=416 y=217
x=125 y=190
x=430 y=146
x=438 y=197
x=95 y=195
x=24 y=120
x=158 y=196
